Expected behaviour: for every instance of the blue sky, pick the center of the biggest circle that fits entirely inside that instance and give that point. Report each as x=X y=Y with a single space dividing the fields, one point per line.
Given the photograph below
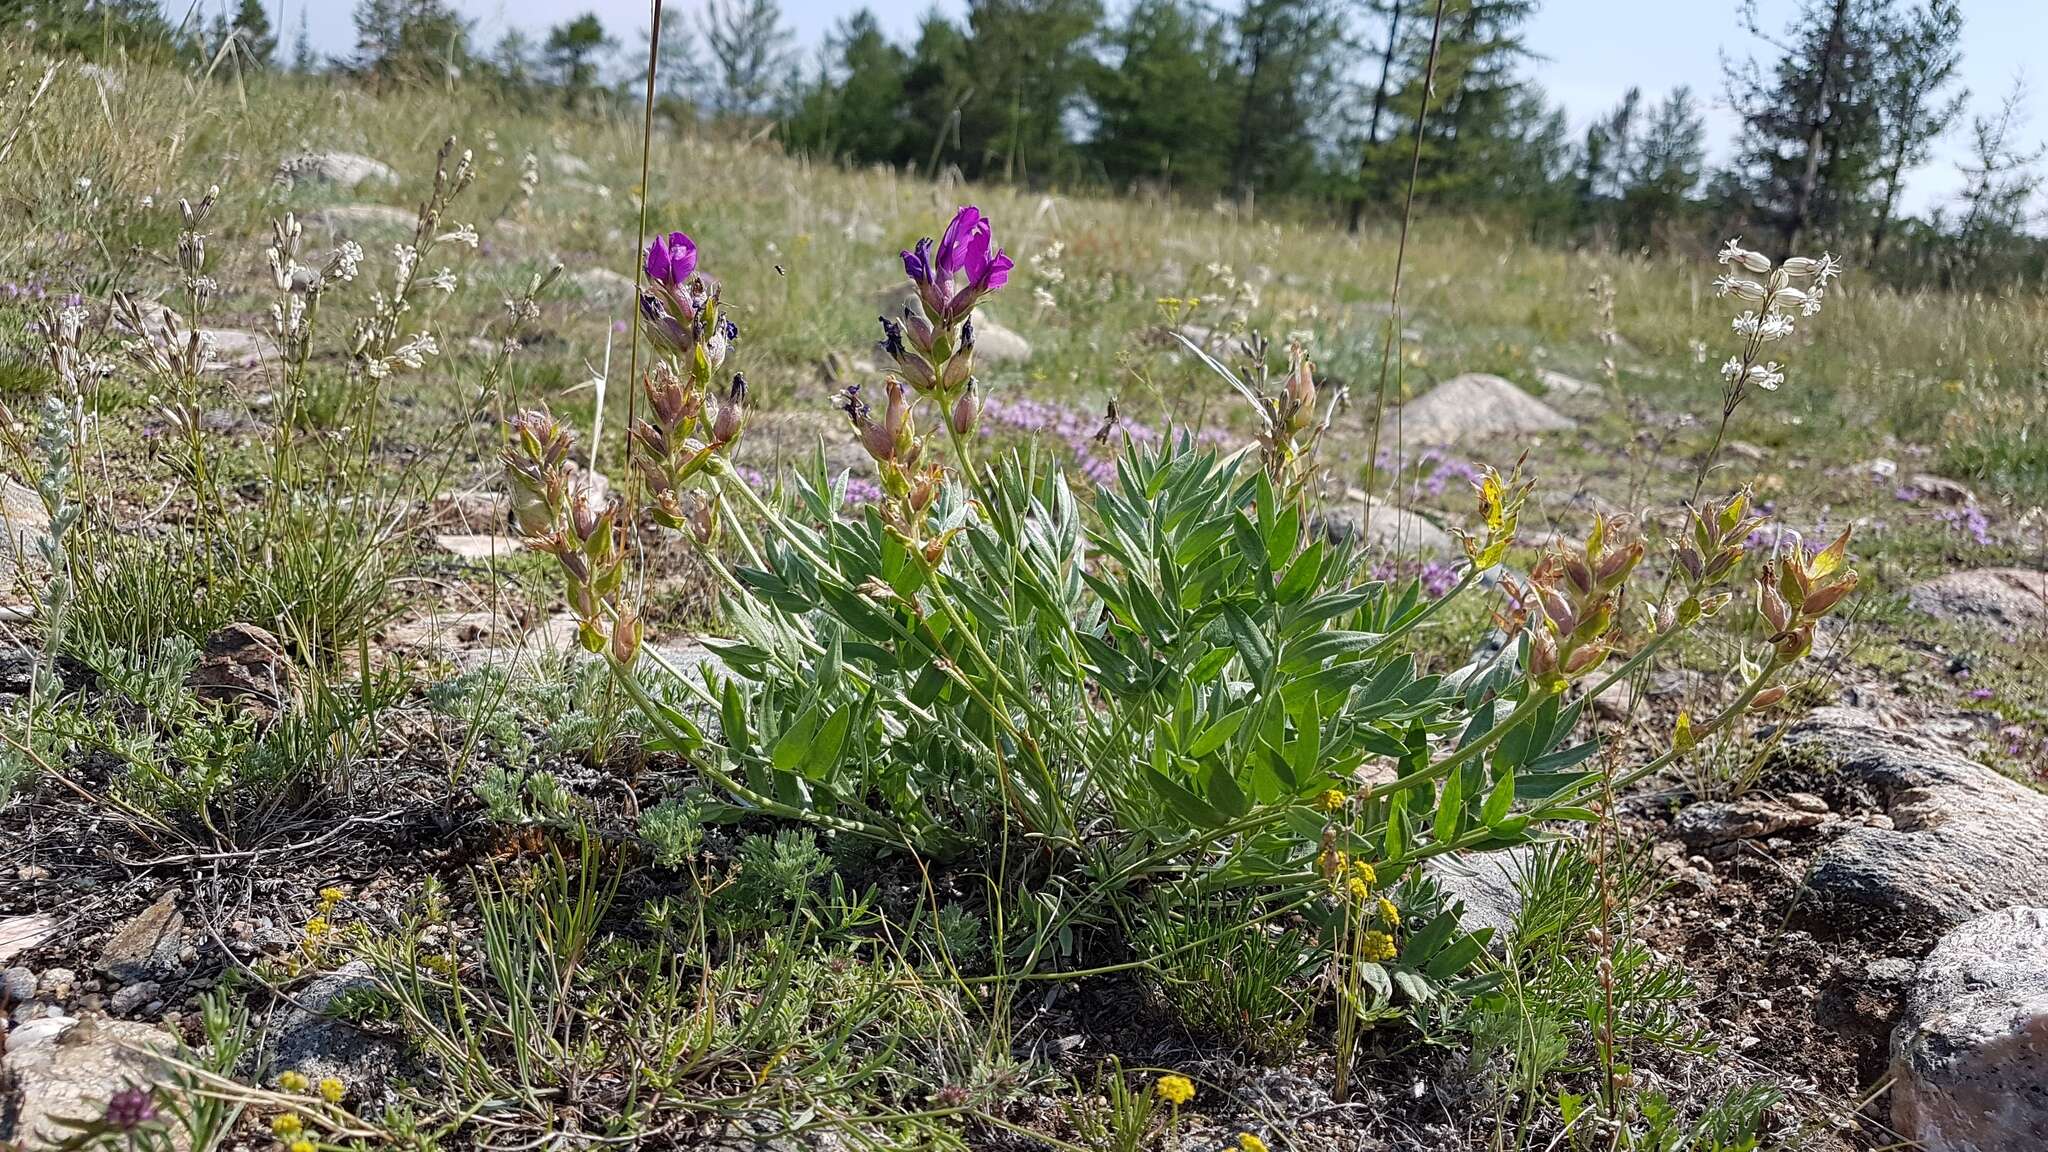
x=1590 y=51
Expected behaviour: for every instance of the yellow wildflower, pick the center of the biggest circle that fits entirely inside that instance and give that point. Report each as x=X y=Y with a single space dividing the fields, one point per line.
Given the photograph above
x=1360 y=890
x=1246 y=1142
x=332 y=896
x=292 y=1081
x=332 y=1090
x=1389 y=913
x=301 y=1146
x=287 y=1125
x=317 y=926
x=1376 y=946
x=1364 y=872
x=1331 y=800
x=1175 y=1089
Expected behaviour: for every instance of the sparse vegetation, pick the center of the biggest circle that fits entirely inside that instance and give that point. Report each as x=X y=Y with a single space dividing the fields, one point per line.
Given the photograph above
x=637 y=712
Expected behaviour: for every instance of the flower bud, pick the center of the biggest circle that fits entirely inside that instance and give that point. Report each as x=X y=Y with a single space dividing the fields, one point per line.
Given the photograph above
x=626 y=633
x=732 y=415
x=1766 y=698
x=966 y=411
x=1820 y=600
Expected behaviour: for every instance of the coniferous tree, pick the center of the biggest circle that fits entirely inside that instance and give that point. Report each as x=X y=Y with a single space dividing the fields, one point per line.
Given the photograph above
x=1163 y=111
x=1286 y=63
x=1664 y=169
x=2000 y=180
x=573 y=50
x=1030 y=61
x=856 y=108
x=1922 y=50
x=304 y=61
x=1812 y=130
x=255 y=42
x=937 y=89
x=750 y=52
x=410 y=41
x=1392 y=26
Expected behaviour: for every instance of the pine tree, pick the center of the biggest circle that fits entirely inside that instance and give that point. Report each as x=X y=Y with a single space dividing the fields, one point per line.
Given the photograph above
x=1393 y=25
x=1999 y=182
x=255 y=41
x=1664 y=171
x=1812 y=132
x=856 y=108
x=304 y=61
x=1030 y=61
x=1163 y=112
x=1922 y=50
x=937 y=89
x=1286 y=76
x=750 y=51
x=572 y=52
x=1485 y=132
x=410 y=41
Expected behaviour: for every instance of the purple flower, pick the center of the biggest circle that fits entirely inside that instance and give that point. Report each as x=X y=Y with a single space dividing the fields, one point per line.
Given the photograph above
x=672 y=260
x=967 y=250
x=129 y=1109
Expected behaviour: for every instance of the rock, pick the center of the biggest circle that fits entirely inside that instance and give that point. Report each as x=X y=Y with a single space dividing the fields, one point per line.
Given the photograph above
x=243 y=665
x=565 y=164
x=1965 y=840
x=134 y=996
x=18 y=934
x=1565 y=387
x=2007 y=598
x=56 y=984
x=1879 y=468
x=146 y=946
x=471 y=511
x=309 y=1038
x=1941 y=489
x=65 y=1068
x=350 y=219
x=478 y=546
x=17 y=986
x=995 y=344
x=1712 y=822
x=604 y=284
x=1393 y=531
x=24 y=523
x=234 y=348
x=1744 y=450
x=345 y=169
x=1475 y=406
x=1970 y=1053
x=1487 y=883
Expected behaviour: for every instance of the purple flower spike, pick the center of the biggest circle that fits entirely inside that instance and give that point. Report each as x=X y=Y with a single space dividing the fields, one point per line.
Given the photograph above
x=966 y=250
x=672 y=260
x=917 y=263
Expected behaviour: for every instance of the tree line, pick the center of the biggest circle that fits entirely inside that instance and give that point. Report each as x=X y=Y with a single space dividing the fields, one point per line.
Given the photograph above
x=1329 y=107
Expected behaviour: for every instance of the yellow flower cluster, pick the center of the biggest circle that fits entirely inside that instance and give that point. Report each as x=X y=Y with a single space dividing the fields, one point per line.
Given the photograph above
x=1376 y=946
x=1175 y=1089
x=332 y=1089
x=1331 y=800
x=1246 y=1142
x=287 y=1125
x=293 y=1081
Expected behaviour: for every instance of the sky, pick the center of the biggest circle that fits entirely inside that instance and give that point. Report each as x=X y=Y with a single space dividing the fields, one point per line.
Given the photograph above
x=1588 y=52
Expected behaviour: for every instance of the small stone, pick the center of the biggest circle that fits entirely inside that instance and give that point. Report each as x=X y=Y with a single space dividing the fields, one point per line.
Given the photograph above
x=478 y=547
x=1941 y=489
x=1472 y=407
x=1712 y=822
x=344 y=169
x=30 y=873
x=56 y=984
x=1877 y=820
x=134 y=996
x=244 y=666
x=1806 y=802
x=307 y=1037
x=146 y=946
x=355 y=219
x=17 y=985
x=1564 y=387
x=1880 y=468
x=1970 y=1053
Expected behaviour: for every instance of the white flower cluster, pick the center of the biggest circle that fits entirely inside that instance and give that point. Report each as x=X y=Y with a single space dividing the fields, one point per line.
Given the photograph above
x=1799 y=283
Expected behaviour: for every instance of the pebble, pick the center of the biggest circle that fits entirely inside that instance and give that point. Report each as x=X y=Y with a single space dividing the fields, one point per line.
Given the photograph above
x=17 y=985
x=134 y=996
x=57 y=984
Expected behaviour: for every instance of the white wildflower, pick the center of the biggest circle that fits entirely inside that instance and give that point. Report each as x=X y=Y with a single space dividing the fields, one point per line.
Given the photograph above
x=443 y=280
x=1766 y=376
x=1775 y=326
x=414 y=352
x=1731 y=369
x=464 y=234
x=406 y=256
x=1734 y=253
x=1043 y=298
